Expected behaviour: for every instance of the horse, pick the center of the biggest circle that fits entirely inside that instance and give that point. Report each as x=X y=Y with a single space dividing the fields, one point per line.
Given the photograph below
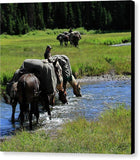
x=67 y=74
x=49 y=74
x=25 y=92
x=74 y=38
x=27 y=96
x=63 y=37
x=55 y=73
x=60 y=38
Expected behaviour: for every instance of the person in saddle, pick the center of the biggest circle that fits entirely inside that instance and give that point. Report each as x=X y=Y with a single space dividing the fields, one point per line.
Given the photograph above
x=47 y=53
x=70 y=30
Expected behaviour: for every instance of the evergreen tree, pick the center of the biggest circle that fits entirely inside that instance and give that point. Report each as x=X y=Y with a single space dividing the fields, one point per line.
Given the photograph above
x=49 y=20
x=109 y=20
x=39 y=16
x=19 y=27
x=25 y=26
x=19 y=18
x=70 y=18
x=77 y=14
x=60 y=15
x=31 y=15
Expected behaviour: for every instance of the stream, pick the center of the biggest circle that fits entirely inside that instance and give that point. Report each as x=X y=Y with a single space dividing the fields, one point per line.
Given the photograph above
x=96 y=98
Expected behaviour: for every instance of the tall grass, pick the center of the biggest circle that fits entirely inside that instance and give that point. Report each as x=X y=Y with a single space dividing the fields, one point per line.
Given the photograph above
x=90 y=58
x=111 y=133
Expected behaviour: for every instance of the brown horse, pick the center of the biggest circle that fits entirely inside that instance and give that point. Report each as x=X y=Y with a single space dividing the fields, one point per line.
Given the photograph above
x=27 y=96
x=26 y=91
x=49 y=98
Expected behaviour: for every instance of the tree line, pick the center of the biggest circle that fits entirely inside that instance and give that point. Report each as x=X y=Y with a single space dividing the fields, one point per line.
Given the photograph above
x=20 y=18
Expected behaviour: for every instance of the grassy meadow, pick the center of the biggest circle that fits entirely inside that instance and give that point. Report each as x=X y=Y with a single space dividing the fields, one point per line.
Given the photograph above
x=94 y=56
x=110 y=134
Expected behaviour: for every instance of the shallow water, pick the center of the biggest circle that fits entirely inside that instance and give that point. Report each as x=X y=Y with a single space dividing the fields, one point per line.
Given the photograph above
x=96 y=97
x=122 y=44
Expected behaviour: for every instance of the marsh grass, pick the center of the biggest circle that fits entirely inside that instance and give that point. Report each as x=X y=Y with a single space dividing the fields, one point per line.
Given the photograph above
x=110 y=134
x=90 y=58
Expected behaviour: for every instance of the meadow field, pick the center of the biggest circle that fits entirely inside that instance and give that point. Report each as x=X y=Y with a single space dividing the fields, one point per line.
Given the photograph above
x=93 y=56
x=110 y=134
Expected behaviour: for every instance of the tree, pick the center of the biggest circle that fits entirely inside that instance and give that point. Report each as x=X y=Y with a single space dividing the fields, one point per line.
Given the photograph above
x=39 y=16
x=49 y=20
x=77 y=14
x=31 y=15
x=19 y=18
x=60 y=15
x=70 y=18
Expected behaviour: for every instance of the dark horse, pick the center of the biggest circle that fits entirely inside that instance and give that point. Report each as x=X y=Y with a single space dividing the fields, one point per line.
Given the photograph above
x=27 y=96
x=13 y=87
x=27 y=93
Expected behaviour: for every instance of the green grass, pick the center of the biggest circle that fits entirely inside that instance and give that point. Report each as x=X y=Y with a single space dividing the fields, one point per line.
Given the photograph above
x=90 y=58
x=111 y=134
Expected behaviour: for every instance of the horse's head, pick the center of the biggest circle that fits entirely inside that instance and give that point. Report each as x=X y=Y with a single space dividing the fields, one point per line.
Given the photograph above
x=11 y=89
x=76 y=87
x=77 y=90
x=11 y=92
x=8 y=87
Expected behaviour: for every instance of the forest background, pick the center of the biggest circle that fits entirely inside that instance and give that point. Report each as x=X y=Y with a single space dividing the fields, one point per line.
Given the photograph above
x=20 y=18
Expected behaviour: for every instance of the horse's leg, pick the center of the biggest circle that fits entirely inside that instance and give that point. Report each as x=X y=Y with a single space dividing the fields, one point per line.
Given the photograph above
x=49 y=111
x=65 y=43
x=36 y=112
x=31 y=107
x=21 y=114
x=52 y=100
x=48 y=107
x=13 y=111
x=61 y=43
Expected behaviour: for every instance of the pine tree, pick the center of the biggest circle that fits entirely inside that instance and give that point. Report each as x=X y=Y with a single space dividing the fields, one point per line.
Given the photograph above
x=31 y=15
x=70 y=17
x=77 y=15
x=19 y=26
x=39 y=16
x=49 y=20
x=109 y=20
x=19 y=18
x=11 y=24
x=25 y=26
